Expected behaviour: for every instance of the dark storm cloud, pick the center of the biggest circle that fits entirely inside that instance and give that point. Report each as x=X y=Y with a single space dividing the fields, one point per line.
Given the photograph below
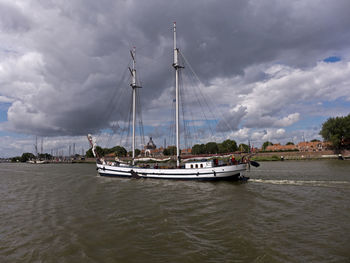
x=12 y=19
x=80 y=51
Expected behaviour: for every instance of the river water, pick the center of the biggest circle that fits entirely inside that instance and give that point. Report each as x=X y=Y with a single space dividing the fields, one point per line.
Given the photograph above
x=288 y=212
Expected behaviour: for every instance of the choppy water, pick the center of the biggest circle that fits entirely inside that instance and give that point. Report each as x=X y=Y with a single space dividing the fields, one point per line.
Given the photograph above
x=288 y=212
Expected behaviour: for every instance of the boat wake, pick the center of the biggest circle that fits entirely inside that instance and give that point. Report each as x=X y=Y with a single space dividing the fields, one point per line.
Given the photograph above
x=338 y=184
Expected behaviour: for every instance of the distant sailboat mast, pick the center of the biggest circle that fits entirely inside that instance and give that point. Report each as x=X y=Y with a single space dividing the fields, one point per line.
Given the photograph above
x=36 y=147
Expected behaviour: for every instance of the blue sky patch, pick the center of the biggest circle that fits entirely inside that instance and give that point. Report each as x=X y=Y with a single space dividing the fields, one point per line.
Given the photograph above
x=307 y=122
x=3 y=111
x=332 y=59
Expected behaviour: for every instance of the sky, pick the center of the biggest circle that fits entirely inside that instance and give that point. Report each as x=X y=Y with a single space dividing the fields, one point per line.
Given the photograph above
x=273 y=70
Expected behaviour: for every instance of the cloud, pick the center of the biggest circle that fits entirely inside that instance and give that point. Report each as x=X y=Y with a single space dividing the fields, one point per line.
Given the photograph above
x=232 y=120
x=259 y=62
x=273 y=100
x=13 y=19
x=4 y=99
x=241 y=135
x=269 y=135
x=259 y=121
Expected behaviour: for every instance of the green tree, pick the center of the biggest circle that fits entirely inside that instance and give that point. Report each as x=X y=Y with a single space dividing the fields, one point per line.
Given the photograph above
x=16 y=159
x=227 y=146
x=243 y=147
x=120 y=151
x=211 y=147
x=99 y=150
x=45 y=156
x=26 y=157
x=137 y=152
x=107 y=151
x=337 y=131
x=290 y=143
x=198 y=149
x=265 y=144
x=221 y=148
x=89 y=154
x=171 y=150
x=315 y=140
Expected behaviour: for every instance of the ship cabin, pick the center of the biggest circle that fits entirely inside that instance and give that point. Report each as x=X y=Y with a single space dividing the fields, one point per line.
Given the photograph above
x=199 y=164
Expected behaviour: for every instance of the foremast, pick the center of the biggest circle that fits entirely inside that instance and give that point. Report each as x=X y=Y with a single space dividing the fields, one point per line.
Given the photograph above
x=177 y=68
x=134 y=87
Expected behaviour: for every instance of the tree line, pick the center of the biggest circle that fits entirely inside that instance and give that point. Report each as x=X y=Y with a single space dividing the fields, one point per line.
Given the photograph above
x=29 y=156
x=226 y=146
x=337 y=131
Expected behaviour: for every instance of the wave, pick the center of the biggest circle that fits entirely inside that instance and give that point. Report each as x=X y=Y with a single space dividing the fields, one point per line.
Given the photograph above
x=342 y=184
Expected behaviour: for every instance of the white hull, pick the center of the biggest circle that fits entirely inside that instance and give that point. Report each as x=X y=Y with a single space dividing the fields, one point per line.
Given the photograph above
x=37 y=162
x=230 y=172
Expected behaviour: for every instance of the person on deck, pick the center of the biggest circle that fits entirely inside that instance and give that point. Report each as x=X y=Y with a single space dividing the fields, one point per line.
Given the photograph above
x=233 y=160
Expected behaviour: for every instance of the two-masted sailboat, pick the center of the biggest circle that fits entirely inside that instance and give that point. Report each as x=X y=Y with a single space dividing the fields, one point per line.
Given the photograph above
x=199 y=170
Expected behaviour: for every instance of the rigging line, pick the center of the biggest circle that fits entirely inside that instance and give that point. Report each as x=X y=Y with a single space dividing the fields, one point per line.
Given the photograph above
x=193 y=72
x=203 y=112
x=172 y=127
x=141 y=131
x=123 y=137
x=123 y=127
x=113 y=125
x=182 y=100
x=111 y=101
x=187 y=91
x=128 y=139
x=188 y=109
x=109 y=109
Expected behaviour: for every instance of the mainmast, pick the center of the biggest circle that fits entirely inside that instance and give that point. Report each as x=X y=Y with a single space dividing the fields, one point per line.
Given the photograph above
x=177 y=68
x=134 y=87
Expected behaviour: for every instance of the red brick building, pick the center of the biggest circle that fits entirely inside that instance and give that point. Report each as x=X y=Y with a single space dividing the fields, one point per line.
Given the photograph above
x=280 y=148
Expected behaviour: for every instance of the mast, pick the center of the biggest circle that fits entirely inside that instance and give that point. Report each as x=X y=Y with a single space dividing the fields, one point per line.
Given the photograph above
x=177 y=95
x=36 y=147
x=134 y=87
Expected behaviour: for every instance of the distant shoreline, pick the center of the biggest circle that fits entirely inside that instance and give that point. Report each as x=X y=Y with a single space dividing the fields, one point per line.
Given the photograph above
x=260 y=156
x=296 y=156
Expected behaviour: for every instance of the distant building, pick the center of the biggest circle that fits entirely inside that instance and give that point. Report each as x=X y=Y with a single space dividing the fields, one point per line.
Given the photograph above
x=150 y=145
x=313 y=146
x=150 y=149
x=280 y=148
x=157 y=152
x=186 y=151
x=301 y=146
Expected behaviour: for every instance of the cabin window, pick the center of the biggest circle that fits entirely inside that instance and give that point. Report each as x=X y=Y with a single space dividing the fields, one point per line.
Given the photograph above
x=201 y=165
x=191 y=165
x=196 y=165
